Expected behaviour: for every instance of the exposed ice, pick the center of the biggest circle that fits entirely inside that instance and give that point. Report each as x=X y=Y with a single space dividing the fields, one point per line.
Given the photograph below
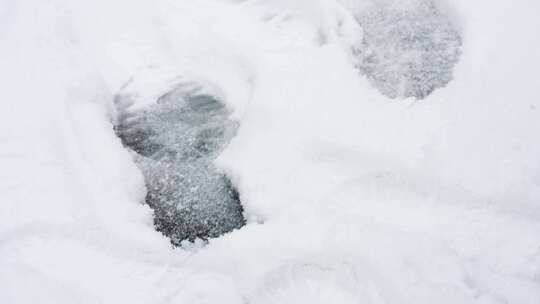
x=408 y=50
x=176 y=141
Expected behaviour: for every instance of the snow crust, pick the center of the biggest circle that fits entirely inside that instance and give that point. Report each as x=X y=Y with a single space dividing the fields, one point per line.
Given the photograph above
x=351 y=197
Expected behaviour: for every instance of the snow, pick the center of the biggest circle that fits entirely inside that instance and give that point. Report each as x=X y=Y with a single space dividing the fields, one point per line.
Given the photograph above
x=408 y=49
x=350 y=196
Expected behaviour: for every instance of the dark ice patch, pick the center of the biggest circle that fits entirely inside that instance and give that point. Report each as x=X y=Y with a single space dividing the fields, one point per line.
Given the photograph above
x=176 y=142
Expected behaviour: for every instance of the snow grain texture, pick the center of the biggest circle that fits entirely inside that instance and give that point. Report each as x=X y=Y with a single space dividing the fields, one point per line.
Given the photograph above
x=175 y=143
x=350 y=196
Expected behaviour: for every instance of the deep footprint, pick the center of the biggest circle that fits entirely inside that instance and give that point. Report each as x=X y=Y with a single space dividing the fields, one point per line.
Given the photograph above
x=176 y=142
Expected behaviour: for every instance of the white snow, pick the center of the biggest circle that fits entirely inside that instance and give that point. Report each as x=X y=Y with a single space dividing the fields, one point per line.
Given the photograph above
x=351 y=197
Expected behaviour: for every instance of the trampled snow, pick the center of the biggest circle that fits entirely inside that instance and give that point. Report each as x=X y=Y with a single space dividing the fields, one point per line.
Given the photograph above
x=349 y=196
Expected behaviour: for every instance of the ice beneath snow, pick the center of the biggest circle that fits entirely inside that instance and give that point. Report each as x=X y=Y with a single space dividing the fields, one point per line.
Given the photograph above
x=176 y=141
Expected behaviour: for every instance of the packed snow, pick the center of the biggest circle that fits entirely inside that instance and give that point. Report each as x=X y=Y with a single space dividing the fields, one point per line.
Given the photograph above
x=348 y=194
x=408 y=49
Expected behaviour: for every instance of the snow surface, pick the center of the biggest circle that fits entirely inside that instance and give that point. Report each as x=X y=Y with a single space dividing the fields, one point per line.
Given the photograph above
x=351 y=197
x=175 y=143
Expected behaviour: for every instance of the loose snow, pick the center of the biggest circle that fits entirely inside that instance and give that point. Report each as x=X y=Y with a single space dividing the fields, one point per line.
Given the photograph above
x=349 y=196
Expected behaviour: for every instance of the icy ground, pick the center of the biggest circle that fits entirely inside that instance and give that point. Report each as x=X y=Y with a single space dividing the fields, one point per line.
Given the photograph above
x=349 y=196
x=175 y=143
